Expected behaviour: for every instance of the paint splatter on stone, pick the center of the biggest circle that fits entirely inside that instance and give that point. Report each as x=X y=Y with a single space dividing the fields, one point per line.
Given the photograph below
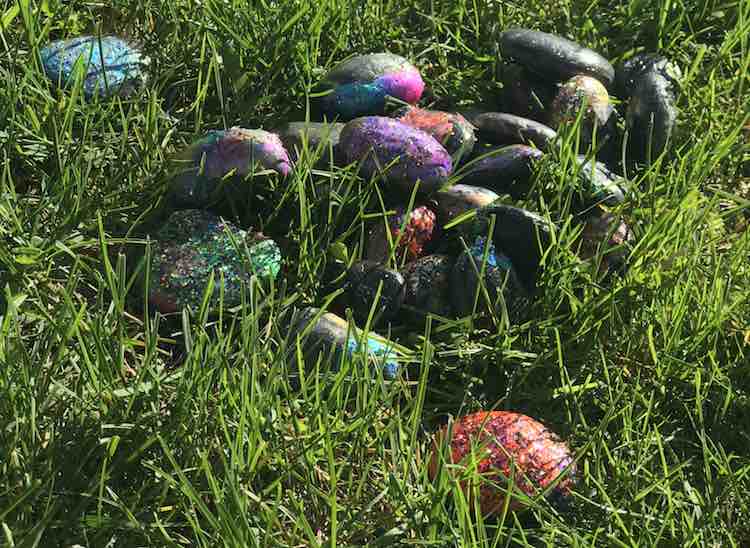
x=238 y=151
x=360 y=86
x=419 y=232
x=191 y=246
x=587 y=94
x=508 y=445
x=428 y=286
x=451 y=130
x=111 y=66
x=401 y=154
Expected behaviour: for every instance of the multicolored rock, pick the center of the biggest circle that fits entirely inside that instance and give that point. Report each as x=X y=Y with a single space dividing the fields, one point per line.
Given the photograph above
x=587 y=94
x=401 y=154
x=360 y=86
x=428 y=287
x=332 y=336
x=110 y=65
x=419 y=230
x=451 y=130
x=458 y=199
x=509 y=447
x=506 y=170
x=237 y=151
x=368 y=279
x=194 y=244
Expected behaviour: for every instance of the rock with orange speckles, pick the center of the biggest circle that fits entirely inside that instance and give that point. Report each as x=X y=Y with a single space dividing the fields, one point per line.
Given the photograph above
x=411 y=236
x=451 y=130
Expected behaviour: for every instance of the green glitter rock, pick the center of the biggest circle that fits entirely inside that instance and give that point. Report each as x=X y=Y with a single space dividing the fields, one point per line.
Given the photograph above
x=191 y=245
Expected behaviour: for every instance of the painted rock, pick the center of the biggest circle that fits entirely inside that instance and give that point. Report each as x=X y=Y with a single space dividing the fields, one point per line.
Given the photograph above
x=403 y=155
x=428 y=287
x=524 y=94
x=367 y=278
x=521 y=235
x=456 y=200
x=319 y=139
x=651 y=117
x=607 y=234
x=359 y=86
x=192 y=245
x=332 y=335
x=451 y=130
x=629 y=73
x=499 y=279
x=600 y=184
x=553 y=57
x=587 y=93
x=505 y=170
x=201 y=168
x=111 y=66
x=509 y=447
x=418 y=232
x=500 y=128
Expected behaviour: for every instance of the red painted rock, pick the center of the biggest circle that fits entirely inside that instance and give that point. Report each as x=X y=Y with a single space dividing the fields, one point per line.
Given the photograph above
x=453 y=131
x=418 y=233
x=508 y=445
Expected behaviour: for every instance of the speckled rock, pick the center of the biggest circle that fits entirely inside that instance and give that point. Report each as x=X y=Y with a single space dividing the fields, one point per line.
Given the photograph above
x=411 y=243
x=510 y=445
x=360 y=86
x=111 y=65
x=505 y=170
x=192 y=245
x=401 y=154
x=587 y=94
x=322 y=140
x=457 y=199
x=200 y=170
x=451 y=130
x=501 y=128
x=428 y=287
x=332 y=335
x=608 y=235
x=364 y=279
x=629 y=73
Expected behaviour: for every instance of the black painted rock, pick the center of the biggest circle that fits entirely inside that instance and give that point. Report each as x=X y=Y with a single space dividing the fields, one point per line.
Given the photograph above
x=428 y=287
x=587 y=94
x=651 y=117
x=457 y=199
x=501 y=128
x=111 y=66
x=629 y=73
x=553 y=57
x=320 y=139
x=526 y=95
x=500 y=282
x=364 y=280
x=608 y=236
x=600 y=184
x=451 y=130
x=505 y=170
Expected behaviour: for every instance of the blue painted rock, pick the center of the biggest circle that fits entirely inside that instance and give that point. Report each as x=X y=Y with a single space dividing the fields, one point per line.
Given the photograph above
x=367 y=280
x=360 y=86
x=505 y=170
x=500 y=281
x=428 y=287
x=600 y=184
x=321 y=140
x=194 y=244
x=609 y=237
x=587 y=94
x=411 y=237
x=458 y=199
x=110 y=66
x=237 y=151
x=629 y=73
x=451 y=130
x=501 y=128
x=651 y=116
x=332 y=336
x=553 y=57
x=401 y=154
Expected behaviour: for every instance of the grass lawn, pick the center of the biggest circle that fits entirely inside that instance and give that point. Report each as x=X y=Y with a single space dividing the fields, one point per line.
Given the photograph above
x=119 y=427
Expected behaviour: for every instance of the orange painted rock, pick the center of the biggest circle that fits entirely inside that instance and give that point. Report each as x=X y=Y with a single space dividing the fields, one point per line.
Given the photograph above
x=508 y=445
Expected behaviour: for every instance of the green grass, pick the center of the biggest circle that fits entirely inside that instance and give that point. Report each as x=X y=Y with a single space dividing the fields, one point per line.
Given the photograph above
x=121 y=428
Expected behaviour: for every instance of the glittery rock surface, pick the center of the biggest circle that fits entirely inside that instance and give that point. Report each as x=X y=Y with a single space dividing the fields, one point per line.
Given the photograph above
x=505 y=170
x=364 y=280
x=511 y=445
x=458 y=199
x=221 y=152
x=582 y=92
x=191 y=245
x=451 y=130
x=419 y=232
x=402 y=154
x=111 y=67
x=428 y=286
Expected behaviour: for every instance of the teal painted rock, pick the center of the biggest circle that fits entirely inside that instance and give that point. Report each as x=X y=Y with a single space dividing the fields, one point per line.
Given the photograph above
x=111 y=66
x=331 y=335
x=192 y=245
x=201 y=170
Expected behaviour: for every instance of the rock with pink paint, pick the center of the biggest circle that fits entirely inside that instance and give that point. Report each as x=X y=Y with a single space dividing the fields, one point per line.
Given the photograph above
x=402 y=155
x=204 y=170
x=360 y=86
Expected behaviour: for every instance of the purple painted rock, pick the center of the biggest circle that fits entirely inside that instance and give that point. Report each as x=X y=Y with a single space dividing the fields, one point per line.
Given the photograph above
x=364 y=280
x=428 y=287
x=236 y=151
x=587 y=94
x=401 y=154
x=453 y=131
x=506 y=170
x=501 y=128
x=360 y=85
x=456 y=200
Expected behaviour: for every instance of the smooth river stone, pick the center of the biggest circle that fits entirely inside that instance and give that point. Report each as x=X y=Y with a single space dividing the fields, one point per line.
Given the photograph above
x=501 y=128
x=322 y=140
x=111 y=67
